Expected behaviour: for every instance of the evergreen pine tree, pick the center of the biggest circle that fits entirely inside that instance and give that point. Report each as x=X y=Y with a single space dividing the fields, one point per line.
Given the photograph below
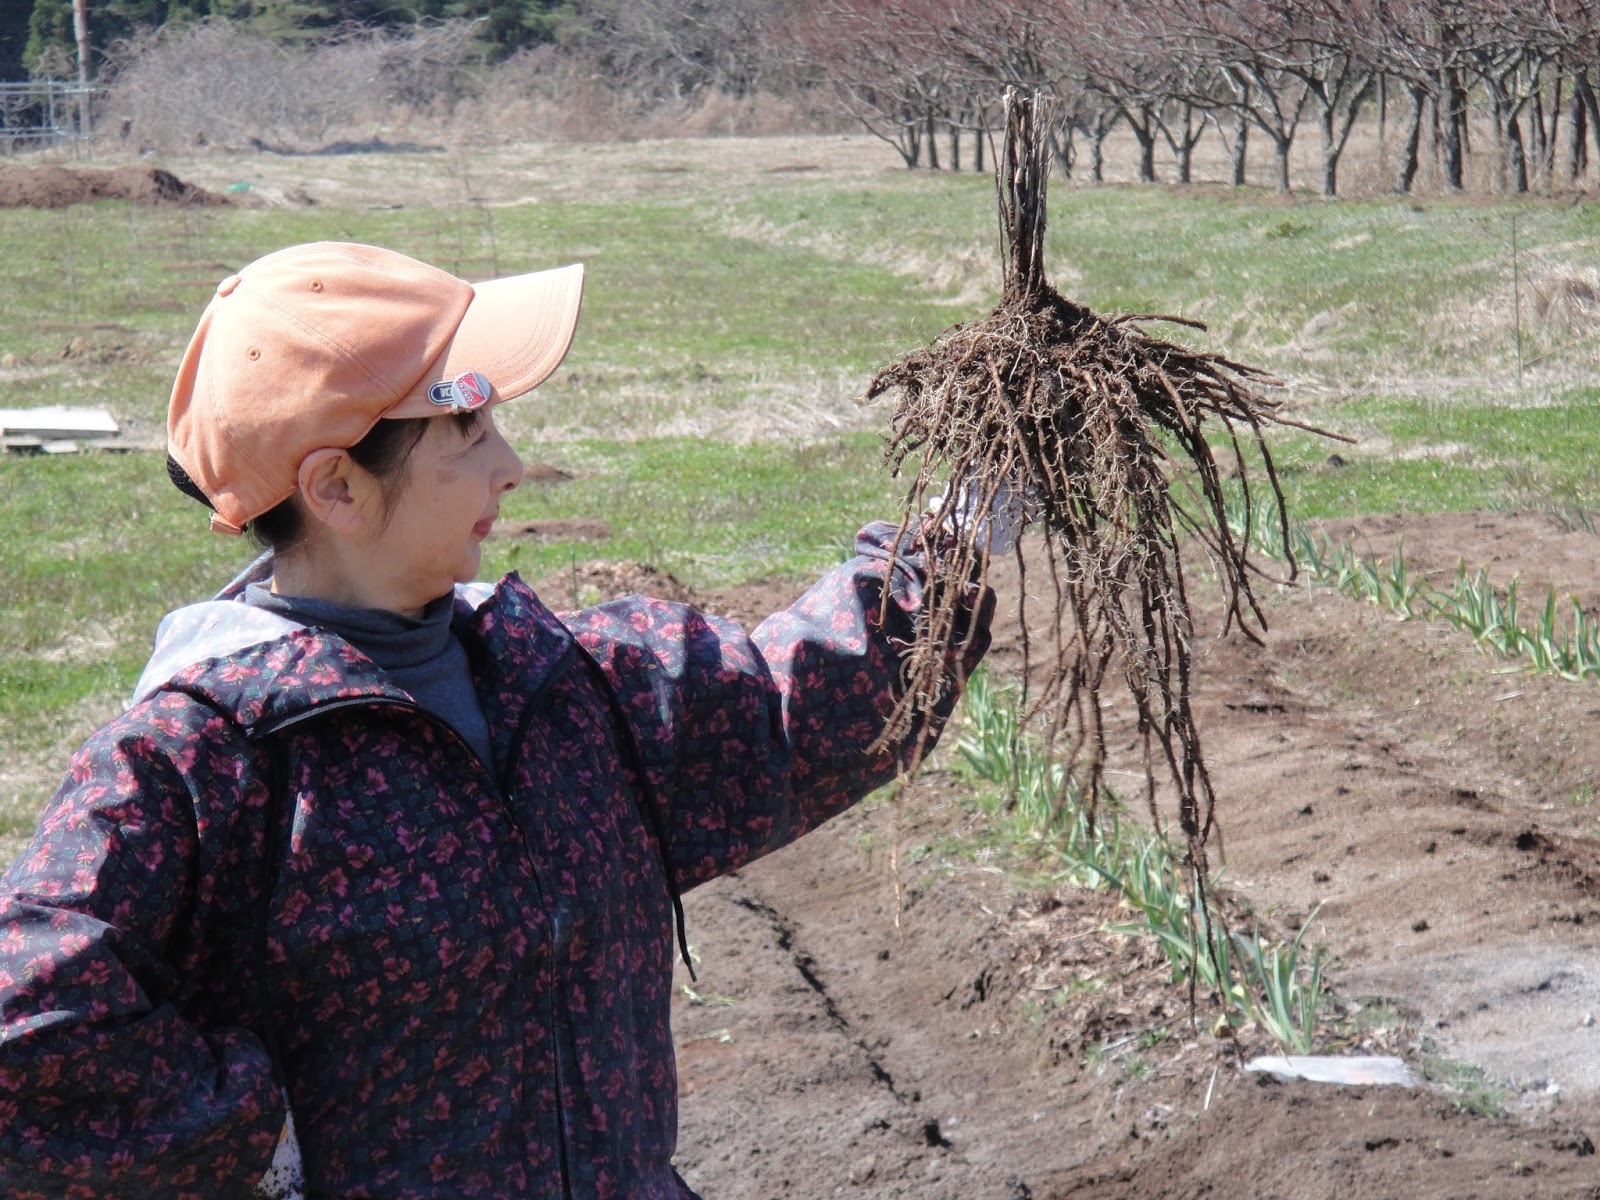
x=513 y=24
x=50 y=30
x=50 y=33
x=13 y=38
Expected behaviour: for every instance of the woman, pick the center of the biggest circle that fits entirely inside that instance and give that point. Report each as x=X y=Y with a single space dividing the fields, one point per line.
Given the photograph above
x=371 y=891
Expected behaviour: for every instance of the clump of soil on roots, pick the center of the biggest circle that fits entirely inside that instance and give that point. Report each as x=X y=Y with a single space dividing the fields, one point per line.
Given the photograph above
x=1103 y=433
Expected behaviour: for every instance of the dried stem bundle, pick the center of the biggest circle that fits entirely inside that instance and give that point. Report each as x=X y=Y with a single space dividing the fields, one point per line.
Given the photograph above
x=1096 y=420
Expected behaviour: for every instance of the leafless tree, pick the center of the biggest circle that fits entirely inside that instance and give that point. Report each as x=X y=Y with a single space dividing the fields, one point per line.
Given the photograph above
x=886 y=65
x=667 y=50
x=1151 y=71
x=1406 y=52
x=1433 y=46
x=1329 y=49
x=1249 y=69
x=1511 y=75
x=1022 y=44
x=1563 y=36
x=1240 y=39
x=1577 y=34
x=215 y=83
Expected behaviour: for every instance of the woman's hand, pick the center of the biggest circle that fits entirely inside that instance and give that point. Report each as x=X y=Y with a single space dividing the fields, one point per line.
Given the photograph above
x=991 y=517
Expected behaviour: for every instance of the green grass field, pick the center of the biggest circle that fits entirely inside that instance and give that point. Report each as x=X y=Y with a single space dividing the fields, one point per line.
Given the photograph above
x=708 y=407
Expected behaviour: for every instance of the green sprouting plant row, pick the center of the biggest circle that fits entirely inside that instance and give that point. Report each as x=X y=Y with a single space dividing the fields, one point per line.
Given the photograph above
x=1279 y=987
x=1570 y=649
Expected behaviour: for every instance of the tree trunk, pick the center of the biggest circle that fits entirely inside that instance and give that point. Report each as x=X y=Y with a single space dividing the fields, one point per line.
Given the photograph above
x=911 y=145
x=80 y=31
x=1577 y=134
x=1241 y=144
x=933 y=141
x=1182 y=144
x=1544 y=131
x=1502 y=154
x=1330 y=156
x=1451 y=113
x=1551 y=135
x=1097 y=156
x=1383 y=114
x=955 y=146
x=977 y=147
x=1280 y=154
x=1516 y=155
x=1591 y=106
x=1435 y=134
x=1144 y=133
x=1536 y=136
x=1064 y=148
x=1407 y=174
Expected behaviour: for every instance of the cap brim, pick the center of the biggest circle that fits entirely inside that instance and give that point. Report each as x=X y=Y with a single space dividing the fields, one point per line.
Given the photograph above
x=515 y=333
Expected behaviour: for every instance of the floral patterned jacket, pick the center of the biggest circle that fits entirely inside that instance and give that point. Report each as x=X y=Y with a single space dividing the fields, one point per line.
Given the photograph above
x=276 y=872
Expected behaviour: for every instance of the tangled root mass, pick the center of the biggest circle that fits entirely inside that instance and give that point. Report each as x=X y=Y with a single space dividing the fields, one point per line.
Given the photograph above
x=1108 y=432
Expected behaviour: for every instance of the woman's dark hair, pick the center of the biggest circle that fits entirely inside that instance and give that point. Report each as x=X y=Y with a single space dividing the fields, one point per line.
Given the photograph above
x=383 y=453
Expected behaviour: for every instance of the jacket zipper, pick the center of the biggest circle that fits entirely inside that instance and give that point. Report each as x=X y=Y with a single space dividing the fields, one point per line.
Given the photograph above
x=501 y=791
x=556 y=670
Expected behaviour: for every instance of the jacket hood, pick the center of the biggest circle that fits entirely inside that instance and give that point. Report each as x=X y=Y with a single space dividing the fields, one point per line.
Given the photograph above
x=228 y=628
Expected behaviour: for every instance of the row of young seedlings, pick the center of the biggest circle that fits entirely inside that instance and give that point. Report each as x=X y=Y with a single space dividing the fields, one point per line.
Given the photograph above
x=1570 y=648
x=1276 y=986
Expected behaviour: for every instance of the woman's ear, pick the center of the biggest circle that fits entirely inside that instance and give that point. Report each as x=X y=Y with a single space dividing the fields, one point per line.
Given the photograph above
x=332 y=488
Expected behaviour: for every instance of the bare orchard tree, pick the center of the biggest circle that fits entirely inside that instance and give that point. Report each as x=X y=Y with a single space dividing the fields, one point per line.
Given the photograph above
x=1090 y=116
x=1022 y=44
x=1576 y=26
x=974 y=108
x=1150 y=73
x=1408 y=49
x=1526 y=54
x=671 y=49
x=889 y=66
x=1431 y=45
x=1283 y=58
x=1035 y=45
x=1328 y=46
x=1511 y=73
x=1241 y=41
x=1564 y=32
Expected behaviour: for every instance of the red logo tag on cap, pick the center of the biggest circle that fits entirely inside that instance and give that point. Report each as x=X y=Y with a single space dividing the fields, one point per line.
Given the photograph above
x=464 y=393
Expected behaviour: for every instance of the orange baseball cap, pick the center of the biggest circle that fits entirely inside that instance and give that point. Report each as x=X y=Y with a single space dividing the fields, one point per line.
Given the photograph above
x=311 y=346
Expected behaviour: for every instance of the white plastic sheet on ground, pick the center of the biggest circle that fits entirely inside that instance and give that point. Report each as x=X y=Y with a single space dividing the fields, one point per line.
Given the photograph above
x=1322 y=1069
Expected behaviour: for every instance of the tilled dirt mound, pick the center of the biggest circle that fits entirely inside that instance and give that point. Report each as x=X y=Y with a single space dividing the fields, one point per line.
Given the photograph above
x=595 y=582
x=1430 y=811
x=823 y=1052
x=599 y=580
x=57 y=187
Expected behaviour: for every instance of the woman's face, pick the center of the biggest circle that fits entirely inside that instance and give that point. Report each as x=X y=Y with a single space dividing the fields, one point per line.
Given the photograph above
x=433 y=534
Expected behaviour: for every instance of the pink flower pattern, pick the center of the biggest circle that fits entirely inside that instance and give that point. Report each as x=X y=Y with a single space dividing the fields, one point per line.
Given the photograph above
x=465 y=968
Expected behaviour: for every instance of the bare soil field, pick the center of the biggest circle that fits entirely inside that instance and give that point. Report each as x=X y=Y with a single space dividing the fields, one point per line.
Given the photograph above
x=1434 y=812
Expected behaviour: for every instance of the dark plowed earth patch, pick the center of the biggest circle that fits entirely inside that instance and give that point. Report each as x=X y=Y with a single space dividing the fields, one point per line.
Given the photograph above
x=1000 y=1043
x=57 y=187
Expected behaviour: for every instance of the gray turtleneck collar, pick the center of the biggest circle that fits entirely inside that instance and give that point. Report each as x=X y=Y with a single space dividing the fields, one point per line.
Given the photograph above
x=422 y=655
